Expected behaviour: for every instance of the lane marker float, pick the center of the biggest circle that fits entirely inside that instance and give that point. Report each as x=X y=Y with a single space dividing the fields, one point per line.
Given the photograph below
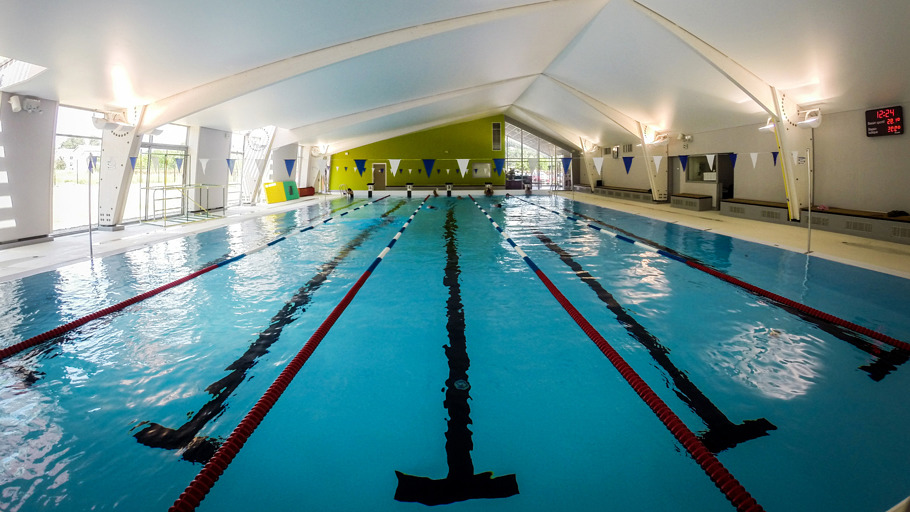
x=691 y=262
x=722 y=478
x=215 y=467
x=67 y=327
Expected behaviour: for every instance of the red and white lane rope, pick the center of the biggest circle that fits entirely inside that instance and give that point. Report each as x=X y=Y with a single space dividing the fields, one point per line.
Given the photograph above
x=722 y=478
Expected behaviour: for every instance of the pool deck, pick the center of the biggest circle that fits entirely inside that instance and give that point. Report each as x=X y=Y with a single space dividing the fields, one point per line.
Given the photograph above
x=23 y=260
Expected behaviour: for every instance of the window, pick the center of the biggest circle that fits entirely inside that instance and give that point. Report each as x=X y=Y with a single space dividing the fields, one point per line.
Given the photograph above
x=77 y=141
x=497 y=136
x=532 y=159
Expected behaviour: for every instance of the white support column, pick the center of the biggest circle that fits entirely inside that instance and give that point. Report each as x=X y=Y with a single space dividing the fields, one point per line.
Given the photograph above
x=658 y=188
x=115 y=173
x=767 y=97
x=789 y=139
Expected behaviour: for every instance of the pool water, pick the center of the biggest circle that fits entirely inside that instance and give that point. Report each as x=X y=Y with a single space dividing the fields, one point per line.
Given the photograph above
x=453 y=337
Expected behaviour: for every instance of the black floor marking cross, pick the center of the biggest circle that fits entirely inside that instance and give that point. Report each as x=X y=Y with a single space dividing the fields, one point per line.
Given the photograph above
x=461 y=483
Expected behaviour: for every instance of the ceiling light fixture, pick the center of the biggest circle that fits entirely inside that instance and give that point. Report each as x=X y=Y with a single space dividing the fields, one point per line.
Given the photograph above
x=768 y=127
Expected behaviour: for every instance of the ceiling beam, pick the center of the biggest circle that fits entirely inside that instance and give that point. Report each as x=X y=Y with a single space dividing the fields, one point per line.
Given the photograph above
x=305 y=133
x=756 y=88
x=219 y=91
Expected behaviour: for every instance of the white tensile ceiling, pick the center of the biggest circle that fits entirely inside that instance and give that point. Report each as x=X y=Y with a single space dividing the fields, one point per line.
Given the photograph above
x=346 y=72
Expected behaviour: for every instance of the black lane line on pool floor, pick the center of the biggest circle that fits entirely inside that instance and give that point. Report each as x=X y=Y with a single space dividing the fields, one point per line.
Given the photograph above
x=722 y=433
x=884 y=361
x=462 y=483
x=200 y=449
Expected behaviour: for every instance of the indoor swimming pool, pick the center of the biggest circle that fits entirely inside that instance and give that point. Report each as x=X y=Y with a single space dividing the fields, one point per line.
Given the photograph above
x=454 y=378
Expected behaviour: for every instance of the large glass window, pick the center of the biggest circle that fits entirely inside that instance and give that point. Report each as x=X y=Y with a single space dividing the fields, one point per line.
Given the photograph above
x=156 y=190
x=533 y=160
x=77 y=140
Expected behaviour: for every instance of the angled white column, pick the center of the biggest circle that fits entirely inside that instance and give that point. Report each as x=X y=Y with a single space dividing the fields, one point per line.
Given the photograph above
x=766 y=96
x=115 y=173
x=636 y=128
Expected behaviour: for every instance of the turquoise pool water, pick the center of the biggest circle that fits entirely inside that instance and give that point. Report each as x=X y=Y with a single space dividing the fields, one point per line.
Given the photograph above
x=805 y=415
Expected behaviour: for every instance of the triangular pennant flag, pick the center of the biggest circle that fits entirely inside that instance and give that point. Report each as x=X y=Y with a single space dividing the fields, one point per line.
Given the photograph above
x=684 y=160
x=203 y=162
x=774 y=154
x=231 y=162
x=754 y=159
x=566 y=162
x=710 y=161
x=361 y=164
x=289 y=164
x=795 y=155
x=179 y=162
x=463 y=165
x=428 y=163
x=394 y=163
x=91 y=162
x=733 y=160
x=499 y=163
x=598 y=164
x=657 y=160
x=534 y=164
x=628 y=161
x=133 y=162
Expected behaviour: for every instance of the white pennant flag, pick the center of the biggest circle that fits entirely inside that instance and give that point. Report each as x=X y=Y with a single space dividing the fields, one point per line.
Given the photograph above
x=533 y=164
x=394 y=163
x=203 y=162
x=710 y=161
x=754 y=159
x=657 y=160
x=463 y=165
x=598 y=164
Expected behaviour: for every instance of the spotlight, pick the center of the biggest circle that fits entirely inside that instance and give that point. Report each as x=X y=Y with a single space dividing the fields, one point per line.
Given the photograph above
x=768 y=127
x=812 y=120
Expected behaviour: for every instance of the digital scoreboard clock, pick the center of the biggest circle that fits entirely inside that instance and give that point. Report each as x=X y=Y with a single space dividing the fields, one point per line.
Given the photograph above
x=885 y=121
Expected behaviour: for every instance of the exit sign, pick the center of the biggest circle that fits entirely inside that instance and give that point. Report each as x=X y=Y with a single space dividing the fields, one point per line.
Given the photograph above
x=885 y=121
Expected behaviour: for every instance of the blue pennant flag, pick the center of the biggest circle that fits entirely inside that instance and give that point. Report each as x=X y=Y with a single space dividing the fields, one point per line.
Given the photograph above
x=230 y=162
x=428 y=163
x=361 y=165
x=289 y=163
x=684 y=160
x=499 y=163
x=566 y=162
x=733 y=160
x=179 y=163
x=133 y=162
x=774 y=154
x=91 y=163
x=628 y=161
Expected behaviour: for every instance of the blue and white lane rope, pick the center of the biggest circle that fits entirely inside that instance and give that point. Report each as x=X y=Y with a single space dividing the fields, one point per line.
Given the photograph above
x=722 y=478
x=756 y=290
x=285 y=236
x=210 y=473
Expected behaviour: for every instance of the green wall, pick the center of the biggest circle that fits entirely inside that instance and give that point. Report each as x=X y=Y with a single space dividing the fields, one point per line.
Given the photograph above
x=472 y=140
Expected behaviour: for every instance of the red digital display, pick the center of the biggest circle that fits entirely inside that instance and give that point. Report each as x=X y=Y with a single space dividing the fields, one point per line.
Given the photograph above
x=885 y=121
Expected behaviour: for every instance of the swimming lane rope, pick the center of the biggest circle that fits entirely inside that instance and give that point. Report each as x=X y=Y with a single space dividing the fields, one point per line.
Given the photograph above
x=214 y=468
x=722 y=478
x=65 y=328
x=884 y=338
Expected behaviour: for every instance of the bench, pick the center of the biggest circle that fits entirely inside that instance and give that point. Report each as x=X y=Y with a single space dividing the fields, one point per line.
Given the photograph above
x=697 y=202
x=877 y=225
x=767 y=211
x=632 y=194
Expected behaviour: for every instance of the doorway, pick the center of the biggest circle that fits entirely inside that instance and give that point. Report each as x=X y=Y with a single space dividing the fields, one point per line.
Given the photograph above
x=378 y=176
